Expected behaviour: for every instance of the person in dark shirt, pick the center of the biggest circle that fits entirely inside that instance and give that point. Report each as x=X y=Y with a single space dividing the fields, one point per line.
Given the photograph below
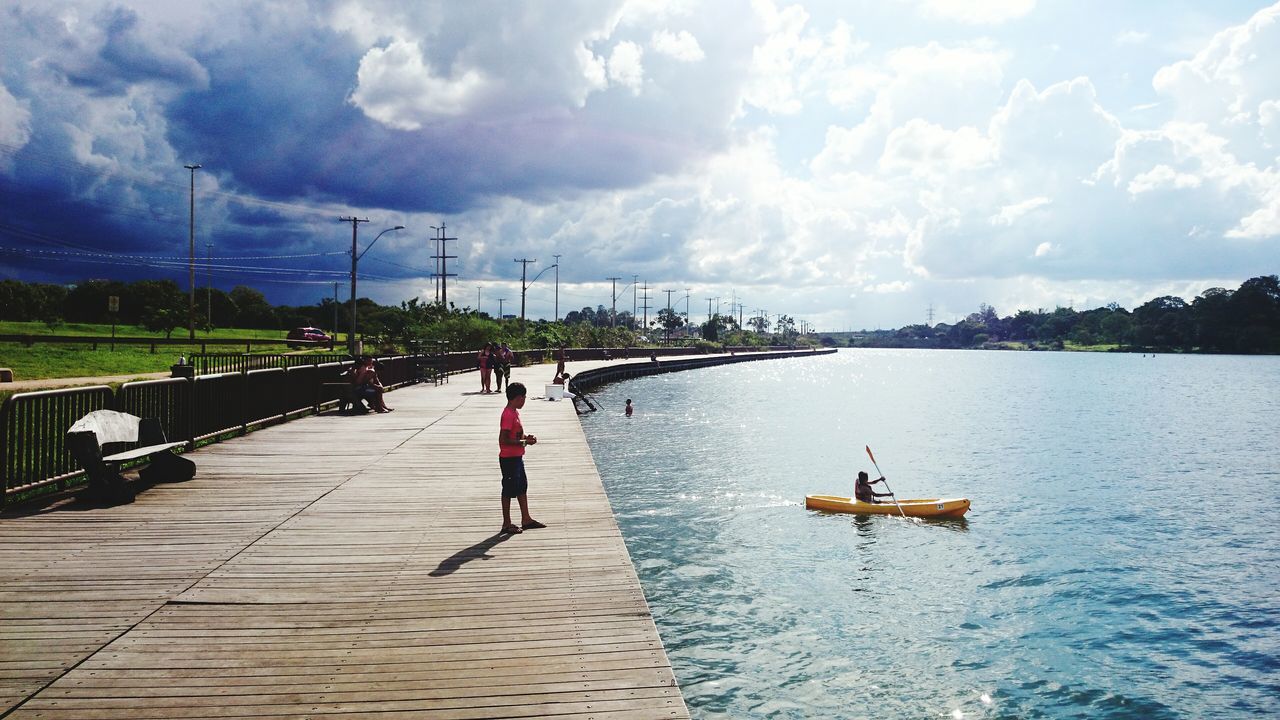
x=863 y=492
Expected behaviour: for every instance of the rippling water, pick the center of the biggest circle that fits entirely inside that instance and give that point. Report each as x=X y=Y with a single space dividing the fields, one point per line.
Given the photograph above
x=1121 y=558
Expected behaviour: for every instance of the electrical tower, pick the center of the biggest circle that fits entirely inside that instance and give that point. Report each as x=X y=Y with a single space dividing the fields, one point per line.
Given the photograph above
x=442 y=258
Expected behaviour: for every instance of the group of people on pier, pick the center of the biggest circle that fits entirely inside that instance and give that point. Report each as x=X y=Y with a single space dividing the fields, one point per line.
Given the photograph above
x=495 y=362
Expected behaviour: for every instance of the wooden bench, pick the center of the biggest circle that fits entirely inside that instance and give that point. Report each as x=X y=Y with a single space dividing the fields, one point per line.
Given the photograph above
x=104 y=440
x=346 y=394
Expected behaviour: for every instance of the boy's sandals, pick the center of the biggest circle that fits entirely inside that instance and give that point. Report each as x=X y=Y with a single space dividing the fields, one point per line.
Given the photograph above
x=532 y=525
x=510 y=530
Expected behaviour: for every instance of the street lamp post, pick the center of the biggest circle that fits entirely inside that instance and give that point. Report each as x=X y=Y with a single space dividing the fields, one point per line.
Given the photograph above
x=355 y=258
x=557 y=267
x=191 y=267
x=525 y=286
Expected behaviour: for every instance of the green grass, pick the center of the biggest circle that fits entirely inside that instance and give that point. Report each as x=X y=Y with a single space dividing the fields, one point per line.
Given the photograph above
x=42 y=361
x=8 y=327
x=1101 y=347
x=46 y=360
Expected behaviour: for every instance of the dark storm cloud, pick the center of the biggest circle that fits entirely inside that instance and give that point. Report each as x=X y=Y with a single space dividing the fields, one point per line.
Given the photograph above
x=126 y=57
x=276 y=117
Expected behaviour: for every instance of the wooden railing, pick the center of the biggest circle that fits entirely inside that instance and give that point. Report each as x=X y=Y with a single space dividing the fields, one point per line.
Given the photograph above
x=34 y=459
x=214 y=363
x=33 y=456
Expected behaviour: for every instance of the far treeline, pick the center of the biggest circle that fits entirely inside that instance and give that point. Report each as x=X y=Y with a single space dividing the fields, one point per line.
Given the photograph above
x=161 y=306
x=1245 y=320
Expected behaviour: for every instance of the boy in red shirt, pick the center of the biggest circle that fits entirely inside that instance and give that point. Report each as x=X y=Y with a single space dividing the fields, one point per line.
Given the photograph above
x=511 y=443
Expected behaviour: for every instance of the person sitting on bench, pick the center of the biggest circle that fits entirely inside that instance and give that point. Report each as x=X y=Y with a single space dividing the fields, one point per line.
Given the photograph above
x=369 y=386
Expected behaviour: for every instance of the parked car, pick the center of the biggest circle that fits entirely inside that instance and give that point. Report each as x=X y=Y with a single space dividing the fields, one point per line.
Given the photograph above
x=310 y=334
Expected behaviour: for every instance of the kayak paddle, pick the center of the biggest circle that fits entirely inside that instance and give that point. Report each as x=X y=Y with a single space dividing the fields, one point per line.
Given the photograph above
x=886 y=482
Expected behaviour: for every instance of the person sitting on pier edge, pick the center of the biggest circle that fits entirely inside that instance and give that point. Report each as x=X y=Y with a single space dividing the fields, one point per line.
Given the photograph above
x=862 y=490
x=369 y=387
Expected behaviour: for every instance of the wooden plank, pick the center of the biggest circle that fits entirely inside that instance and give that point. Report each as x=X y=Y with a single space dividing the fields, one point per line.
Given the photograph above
x=344 y=567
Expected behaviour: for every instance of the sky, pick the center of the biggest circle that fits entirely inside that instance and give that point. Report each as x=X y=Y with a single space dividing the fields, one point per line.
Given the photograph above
x=850 y=164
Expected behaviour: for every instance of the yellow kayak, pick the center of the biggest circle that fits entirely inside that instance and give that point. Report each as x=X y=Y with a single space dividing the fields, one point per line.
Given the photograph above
x=918 y=507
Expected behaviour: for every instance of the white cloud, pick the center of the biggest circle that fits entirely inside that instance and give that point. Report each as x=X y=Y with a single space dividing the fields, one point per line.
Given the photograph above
x=795 y=63
x=976 y=12
x=593 y=69
x=927 y=150
x=681 y=46
x=15 y=119
x=396 y=87
x=1131 y=37
x=1043 y=249
x=1161 y=177
x=896 y=286
x=1009 y=214
x=626 y=67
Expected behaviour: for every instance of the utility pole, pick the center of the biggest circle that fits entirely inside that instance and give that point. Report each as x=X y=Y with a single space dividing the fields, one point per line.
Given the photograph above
x=557 y=257
x=645 y=307
x=500 y=301
x=208 y=291
x=477 y=298
x=355 y=257
x=613 y=295
x=668 y=292
x=709 y=308
x=335 y=312
x=442 y=264
x=635 y=285
x=930 y=314
x=524 y=270
x=191 y=267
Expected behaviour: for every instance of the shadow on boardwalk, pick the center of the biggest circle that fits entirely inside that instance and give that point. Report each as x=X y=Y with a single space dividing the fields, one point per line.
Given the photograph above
x=479 y=551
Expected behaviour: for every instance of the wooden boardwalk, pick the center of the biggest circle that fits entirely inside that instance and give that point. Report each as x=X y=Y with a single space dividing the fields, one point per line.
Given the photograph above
x=336 y=567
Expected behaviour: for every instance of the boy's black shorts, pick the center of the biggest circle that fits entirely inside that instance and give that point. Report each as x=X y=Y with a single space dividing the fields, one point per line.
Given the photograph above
x=514 y=481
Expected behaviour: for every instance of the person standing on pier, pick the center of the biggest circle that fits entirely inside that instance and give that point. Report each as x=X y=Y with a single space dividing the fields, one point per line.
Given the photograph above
x=485 y=359
x=512 y=441
x=502 y=358
x=630 y=410
x=561 y=355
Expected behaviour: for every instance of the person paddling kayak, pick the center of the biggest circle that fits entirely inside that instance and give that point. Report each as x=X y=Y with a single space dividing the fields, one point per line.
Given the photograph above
x=862 y=490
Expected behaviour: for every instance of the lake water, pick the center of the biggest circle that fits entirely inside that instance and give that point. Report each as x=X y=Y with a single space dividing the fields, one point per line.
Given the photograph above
x=1121 y=558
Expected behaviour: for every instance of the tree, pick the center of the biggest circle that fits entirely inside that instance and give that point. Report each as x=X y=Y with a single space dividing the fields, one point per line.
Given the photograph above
x=786 y=328
x=1117 y=327
x=1162 y=322
x=1214 y=325
x=669 y=320
x=252 y=308
x=1024 y=325
x=759 y=323
x=163 y=307
x=21 y=301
